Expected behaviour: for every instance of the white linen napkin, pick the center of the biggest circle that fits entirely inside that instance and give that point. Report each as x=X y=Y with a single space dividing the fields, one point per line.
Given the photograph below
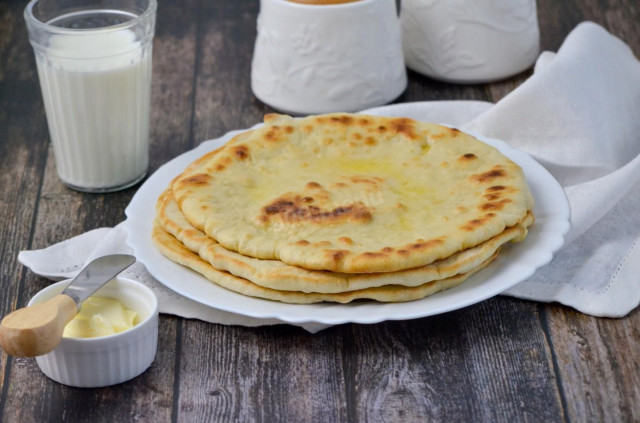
x=578 y=115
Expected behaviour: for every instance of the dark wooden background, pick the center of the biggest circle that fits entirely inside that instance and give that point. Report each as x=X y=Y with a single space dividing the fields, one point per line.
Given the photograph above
x=501 y=360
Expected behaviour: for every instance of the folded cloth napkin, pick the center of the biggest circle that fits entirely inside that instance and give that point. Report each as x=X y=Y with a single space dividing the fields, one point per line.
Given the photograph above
x=578 y=115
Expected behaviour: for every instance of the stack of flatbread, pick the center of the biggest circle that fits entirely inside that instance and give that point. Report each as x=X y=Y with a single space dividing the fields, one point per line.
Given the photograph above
x=342 y=207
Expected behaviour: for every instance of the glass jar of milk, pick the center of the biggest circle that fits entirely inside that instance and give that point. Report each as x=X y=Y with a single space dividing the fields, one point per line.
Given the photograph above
x=94 y=66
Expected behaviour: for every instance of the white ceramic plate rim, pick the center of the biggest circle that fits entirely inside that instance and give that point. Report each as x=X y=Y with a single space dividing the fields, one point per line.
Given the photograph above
x=516 y=262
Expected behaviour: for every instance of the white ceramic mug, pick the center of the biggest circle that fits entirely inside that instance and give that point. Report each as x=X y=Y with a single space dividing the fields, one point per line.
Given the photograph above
x=469 y=41
x=312 y=58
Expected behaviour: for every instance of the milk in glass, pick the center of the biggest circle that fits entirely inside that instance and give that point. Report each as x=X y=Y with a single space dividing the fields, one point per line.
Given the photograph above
x=96 y=90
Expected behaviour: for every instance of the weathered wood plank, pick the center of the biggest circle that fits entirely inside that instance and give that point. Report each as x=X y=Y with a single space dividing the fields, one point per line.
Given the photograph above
x=224 y=100
x=23 y=151
x=267 y=374
x=173 y=91
x=488 y=362
x=599 y=364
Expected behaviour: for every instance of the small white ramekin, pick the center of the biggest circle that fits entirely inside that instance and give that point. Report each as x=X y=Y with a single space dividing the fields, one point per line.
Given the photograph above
x=105 y=360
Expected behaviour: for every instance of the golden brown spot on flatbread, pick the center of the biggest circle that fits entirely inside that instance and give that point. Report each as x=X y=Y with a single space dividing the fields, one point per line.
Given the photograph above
x=489 y=176
x=289 y=129
x=312 y=185
x=204 y=207
x=270 y=116
x=198 y=179
x=425 y=245
x=345 y=240
x=327 y=141
x=371 y=181
x=496 y=188
x=307 y=128
x=220 y=167
x=453 y=132
x=382 y=128
x=475 y=223
x=364 y=121
x=302 y=242
x=370 y=254
x=404 y=126
x=467 y=157
x=343 y=119
x=241 y=151
x=496 y=205
x=403 y=252
x=294 y=208
x=370 y=141
x=357 y=136
x=387 y=250
x=273 y=134
x=492 y=197
x=337 y=255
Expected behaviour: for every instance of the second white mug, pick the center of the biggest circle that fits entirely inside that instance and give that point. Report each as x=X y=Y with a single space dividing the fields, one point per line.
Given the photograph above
x=469 y=41
x=312 y=58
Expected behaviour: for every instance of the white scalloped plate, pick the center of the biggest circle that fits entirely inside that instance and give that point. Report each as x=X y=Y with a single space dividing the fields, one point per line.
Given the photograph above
x=515 y=263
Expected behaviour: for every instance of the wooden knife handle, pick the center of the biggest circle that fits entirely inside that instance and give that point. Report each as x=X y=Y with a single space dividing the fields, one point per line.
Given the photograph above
x=36 y=330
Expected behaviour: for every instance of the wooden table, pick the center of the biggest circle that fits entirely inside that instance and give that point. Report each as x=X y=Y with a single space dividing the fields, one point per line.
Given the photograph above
x=501 y=360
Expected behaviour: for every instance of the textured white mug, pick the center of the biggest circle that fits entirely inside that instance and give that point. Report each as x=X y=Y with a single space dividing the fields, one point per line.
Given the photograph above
x=469 y=41
x=311 y=58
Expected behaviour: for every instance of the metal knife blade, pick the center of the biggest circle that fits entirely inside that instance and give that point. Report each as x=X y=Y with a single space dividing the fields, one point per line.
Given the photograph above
x=96 y=274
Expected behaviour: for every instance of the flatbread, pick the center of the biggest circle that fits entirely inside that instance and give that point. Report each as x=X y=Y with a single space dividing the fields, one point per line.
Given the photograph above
x=353 y=193
x=275 y=274
x=175 y=251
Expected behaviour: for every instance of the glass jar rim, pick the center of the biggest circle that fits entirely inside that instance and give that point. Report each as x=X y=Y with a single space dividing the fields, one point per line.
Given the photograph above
x=37 y=23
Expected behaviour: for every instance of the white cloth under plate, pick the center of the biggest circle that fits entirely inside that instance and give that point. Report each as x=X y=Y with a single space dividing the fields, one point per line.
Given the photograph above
x=578 y=115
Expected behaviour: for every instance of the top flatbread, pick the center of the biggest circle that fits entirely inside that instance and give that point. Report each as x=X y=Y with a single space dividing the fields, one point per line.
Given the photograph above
x=353 y=193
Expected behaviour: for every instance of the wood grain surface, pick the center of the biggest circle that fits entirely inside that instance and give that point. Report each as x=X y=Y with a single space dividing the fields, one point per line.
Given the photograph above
x=502 y=360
